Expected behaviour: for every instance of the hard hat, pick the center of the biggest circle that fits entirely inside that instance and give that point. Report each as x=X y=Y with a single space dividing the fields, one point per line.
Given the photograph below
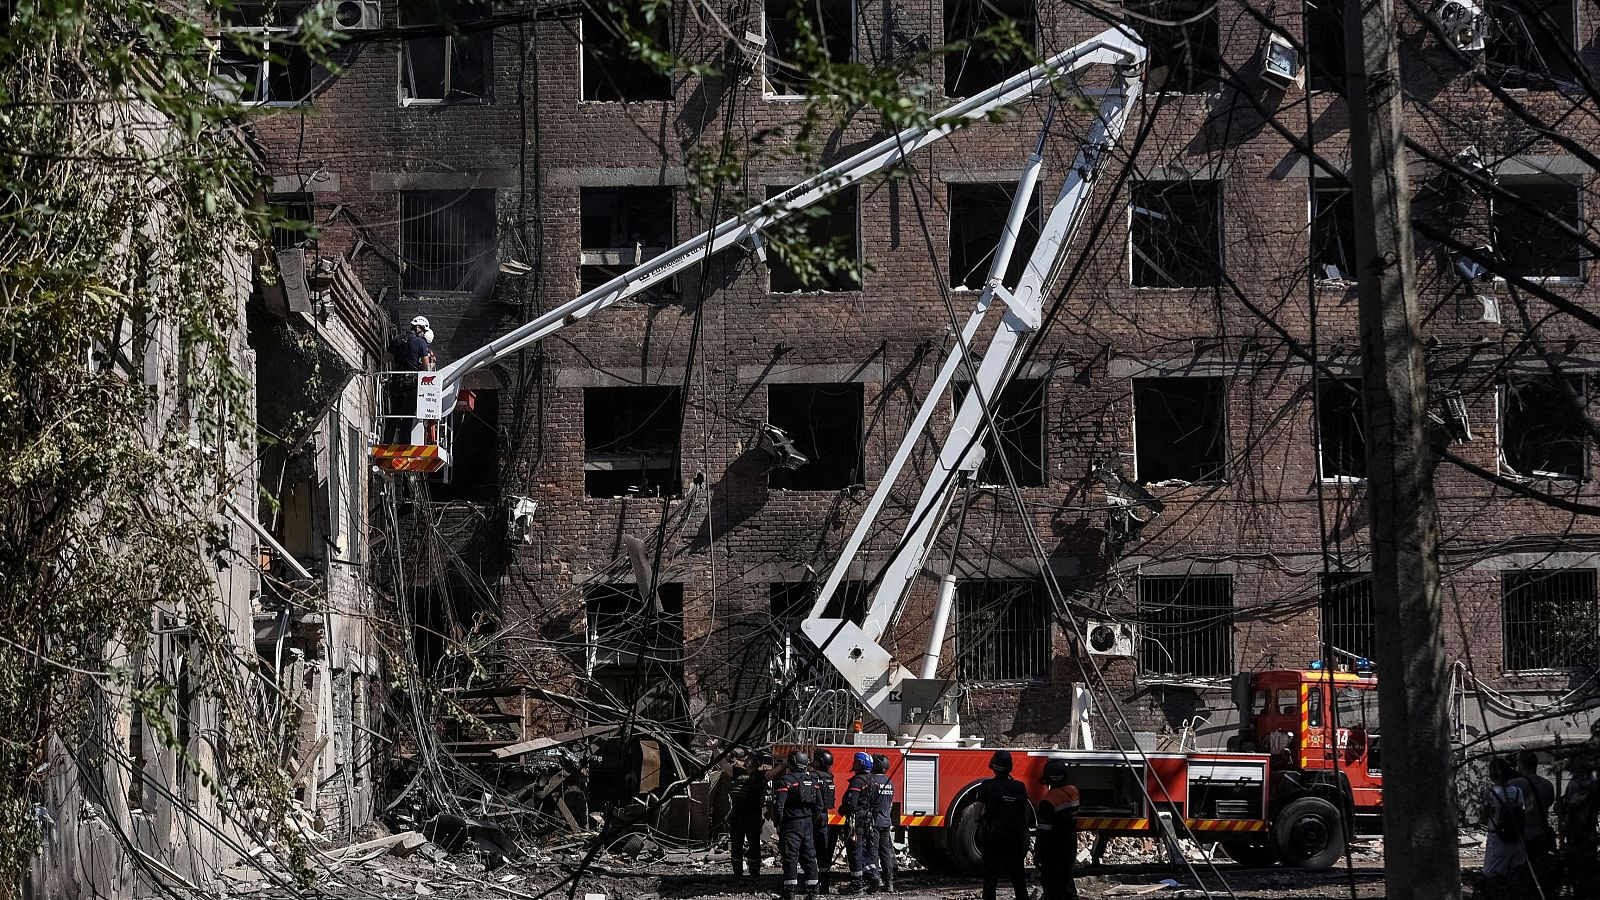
x=824 y=759
x=420 y=322
x=861 y=763
x=798 y=760
x=880 y=764
x=1055 y=772
x=1000 y=761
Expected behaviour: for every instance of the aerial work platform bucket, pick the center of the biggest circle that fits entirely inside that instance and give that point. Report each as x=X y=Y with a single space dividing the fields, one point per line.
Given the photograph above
x=405 y=442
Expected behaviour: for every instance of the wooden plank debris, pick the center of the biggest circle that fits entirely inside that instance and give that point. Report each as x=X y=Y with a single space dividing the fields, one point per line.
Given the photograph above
x=556 y=740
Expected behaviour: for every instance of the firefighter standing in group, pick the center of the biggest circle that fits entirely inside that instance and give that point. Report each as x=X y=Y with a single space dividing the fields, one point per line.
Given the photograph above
x=795 y=802
x=883 y=822
x=747 y=797
x=1003 y=827
x=1057 y=849
x=821 y=841
x=859 y=812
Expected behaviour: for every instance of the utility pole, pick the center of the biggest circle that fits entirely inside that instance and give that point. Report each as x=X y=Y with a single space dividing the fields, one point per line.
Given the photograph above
x=1419 y=821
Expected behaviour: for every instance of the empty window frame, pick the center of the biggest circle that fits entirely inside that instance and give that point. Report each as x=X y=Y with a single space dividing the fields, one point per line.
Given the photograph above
x=1019 y=413
x=614 y=71
x=1324 y=40
x=997 y=39
x=1549 y=618
x=1347 y=626
x=451 y=67
x=801 y=36
x=475 y=451
x=293 y=220
x=1531 y=245
x=447 y=240
x=264 y=66
x=977 y=220
x=1531 y=44
x=1542 y=426
x=627 y=632
x=817 y=248
x=621 y=227
x=1186 y=625
x=1002 y=630
x=1176 y=234
x=1180 y=429
x=630 y=441
x=1183 y=55
x=1341 y=428
x=791 y=603
x=825 y=422
x=1333 y=232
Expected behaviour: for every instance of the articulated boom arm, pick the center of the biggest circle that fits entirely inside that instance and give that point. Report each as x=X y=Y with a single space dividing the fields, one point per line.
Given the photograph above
x=923 y=708
x=436 y=396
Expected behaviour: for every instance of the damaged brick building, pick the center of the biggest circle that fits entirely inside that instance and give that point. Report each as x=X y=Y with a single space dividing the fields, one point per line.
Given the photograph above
x=1188 y=475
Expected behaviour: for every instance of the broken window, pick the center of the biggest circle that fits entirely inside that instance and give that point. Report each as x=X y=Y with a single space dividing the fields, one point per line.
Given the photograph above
x=825 y=424
x=977 y=220
x=1009 y=31
x=1177 y=233
x=1347 y=615
x=293 y=220
x=1183 y=55
x=1532 y=246
x=636 y=650
x=1542 y=426
x=614 y=69
x=1333 y=232
x=1002 y=630
x=1019 y=413
x=475 y=450
x=1187 y=625
x=260 y=61
x=821 y=249
x=1531 y=44
x=1324 y=40
x=445 y=68
x=630 y=439
x=801 y=36
x=1342 y=428
x=1549 y=618
x=1179 y=429
x=447 y=240
x=620 y=228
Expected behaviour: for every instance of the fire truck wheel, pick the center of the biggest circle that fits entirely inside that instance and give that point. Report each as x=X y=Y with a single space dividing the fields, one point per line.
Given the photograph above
x=1309 y=834
x=962 y=842
x=1253 y=855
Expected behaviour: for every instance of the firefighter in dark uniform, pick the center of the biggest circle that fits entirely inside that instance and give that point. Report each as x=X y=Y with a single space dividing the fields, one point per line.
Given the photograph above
x=1003 y=827
x=858 y=808
x=795 y=803
x=883 y=822
x=747 y=797
x=1057 y=850
x=821 y=841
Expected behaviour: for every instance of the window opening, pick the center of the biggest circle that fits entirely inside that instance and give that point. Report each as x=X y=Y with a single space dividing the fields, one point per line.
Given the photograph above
x=1347 y=616
x=1357 y=708
x=977 y=221
x=1542 y=434
x=1549 y=618
x=631 y=435
x=803 y=35
x=1342 y=426
x=1019 y=413
x=614 y=71
x=1002 y=630
x=259 y=57
x=985 y=63
x=445 y=68
x=825 y=254
x=636 y=650
x=621 y=228
x=1324 y=39
x=1183 y=57
x=1179 y=429
x=1333 y=232
x=1532 y=246
x=1187 y=625
x=825 y=423
x=447 y=239
x=475 y=447
x=1530 y=43
x=1177 y=233
x=294 y=220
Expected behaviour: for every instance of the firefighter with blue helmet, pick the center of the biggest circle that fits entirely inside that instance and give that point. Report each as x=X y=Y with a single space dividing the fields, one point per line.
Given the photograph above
x=796 y=800
x=883 y=822
x=859 y=809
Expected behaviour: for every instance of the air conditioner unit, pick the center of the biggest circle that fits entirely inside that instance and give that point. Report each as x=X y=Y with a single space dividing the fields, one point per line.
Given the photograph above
x=1281 y=64
x=1110 y=638
x=1463 y=23
x=357 y=15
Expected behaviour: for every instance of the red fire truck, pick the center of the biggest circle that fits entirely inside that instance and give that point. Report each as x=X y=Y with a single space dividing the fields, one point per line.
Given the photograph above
x=1304 y=774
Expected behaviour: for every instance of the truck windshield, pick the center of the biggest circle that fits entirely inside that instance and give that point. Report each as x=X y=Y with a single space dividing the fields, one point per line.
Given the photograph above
x=1357 y=708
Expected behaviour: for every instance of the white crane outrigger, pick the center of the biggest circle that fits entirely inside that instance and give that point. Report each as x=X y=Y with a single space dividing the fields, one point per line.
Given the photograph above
x=880 y=682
